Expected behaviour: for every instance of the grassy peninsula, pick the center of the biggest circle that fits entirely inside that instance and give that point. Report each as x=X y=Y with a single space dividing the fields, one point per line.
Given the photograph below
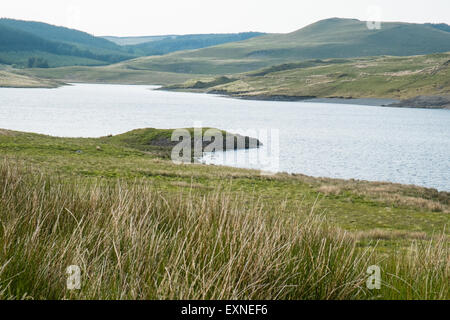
x=14 y=80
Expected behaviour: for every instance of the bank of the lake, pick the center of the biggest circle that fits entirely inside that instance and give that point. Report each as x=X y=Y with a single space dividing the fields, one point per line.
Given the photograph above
x=408 y=146
x=418 y=81
x=14 y=80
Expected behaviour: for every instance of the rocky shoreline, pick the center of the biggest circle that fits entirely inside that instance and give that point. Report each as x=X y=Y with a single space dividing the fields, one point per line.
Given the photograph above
x=427 y=102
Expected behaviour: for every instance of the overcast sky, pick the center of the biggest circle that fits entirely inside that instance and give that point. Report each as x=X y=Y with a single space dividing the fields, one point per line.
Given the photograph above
x=149 y=17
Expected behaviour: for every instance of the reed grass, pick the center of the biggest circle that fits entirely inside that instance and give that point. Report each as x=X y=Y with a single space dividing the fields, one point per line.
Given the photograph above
x=134 y=241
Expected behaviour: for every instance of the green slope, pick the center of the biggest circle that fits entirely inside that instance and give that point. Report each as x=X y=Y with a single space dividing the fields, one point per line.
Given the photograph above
x=8 y=79
x=116 y=74
x=60 y=46
x=188 y=42
x=159 y=45
x=20 y=40
x=440 y=26
x=126 y=212
x=331 y=38
x=130 y=41
x=62 y=34
x=373 y=77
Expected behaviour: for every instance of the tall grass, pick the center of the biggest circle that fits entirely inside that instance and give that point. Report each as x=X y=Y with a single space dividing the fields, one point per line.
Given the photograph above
x=133 y=241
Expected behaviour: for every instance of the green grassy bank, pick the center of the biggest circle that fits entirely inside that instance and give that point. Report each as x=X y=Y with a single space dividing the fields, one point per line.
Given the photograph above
x=141 y=227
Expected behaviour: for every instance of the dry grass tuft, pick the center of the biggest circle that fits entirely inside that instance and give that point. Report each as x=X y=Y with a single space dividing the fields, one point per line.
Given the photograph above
x=330 y=190
x=389 y=193
x=133 y=241
x=382 y=234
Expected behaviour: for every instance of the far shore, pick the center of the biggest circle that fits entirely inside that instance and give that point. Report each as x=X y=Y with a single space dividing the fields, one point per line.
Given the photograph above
x=419 y=102
x=422 y=102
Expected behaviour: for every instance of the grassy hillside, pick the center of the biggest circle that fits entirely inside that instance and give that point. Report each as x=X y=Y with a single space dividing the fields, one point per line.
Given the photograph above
x=141 y=227
x=61 y=34
x=188 y=42
x=440 y=26
x=373 y=77
x=60 y=46
x=8 y=79
x=159 y=45
x=130 y=41
x=331 y=38
x=116 y=74
x=20 y=40
x=19 y=59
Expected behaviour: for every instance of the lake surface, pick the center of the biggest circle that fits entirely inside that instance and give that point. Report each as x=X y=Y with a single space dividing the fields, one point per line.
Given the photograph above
x=410 y=146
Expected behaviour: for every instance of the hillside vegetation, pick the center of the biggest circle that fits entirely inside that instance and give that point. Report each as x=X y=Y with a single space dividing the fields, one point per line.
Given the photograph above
x=180 y=41
x=141 y=227
x=115 y=74
x=12 y=80
x=125 y=41
x=331 y=38
x=187 y=42
x=60 y=46
x=372 y=77
x=21 y=40
x=336 y=39
x=61 y=34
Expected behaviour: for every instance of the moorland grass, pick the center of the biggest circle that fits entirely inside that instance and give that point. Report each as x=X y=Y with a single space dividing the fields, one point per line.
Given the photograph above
x=141 y=227
x=133 y=241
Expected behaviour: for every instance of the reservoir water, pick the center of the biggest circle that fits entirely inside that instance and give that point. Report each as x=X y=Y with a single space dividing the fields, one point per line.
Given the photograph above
x=410 y=146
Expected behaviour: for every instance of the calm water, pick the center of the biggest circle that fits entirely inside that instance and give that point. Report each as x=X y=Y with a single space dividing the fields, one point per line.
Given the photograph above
x=331 y=140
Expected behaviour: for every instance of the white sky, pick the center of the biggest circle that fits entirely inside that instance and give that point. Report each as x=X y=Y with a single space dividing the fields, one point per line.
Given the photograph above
x=150 y=17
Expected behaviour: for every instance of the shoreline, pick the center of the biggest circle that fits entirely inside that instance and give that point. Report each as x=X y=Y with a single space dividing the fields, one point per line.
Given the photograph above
x=420 y=102
x=11 y=79
x=441 y=102
x=163 y=143
x=325 y=178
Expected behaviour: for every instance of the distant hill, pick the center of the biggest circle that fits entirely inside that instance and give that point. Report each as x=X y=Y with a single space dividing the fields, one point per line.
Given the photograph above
x=59 y=46
x=20 y=40
x=370 y=77
x=17 y=47
x=331 y=38
x=189 y=42
x=160 y=45
x=129 y=41
x=13 y=39
x=61 y=34
x=440 y=26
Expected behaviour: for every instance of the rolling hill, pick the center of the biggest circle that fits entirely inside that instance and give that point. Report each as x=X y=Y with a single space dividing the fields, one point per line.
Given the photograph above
x=327 y=39
x=59 y=46
x=187 y=42
x=159 y=45
x=331 y=38
x=371 y=77
x=62 y=34
x=130 y=41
